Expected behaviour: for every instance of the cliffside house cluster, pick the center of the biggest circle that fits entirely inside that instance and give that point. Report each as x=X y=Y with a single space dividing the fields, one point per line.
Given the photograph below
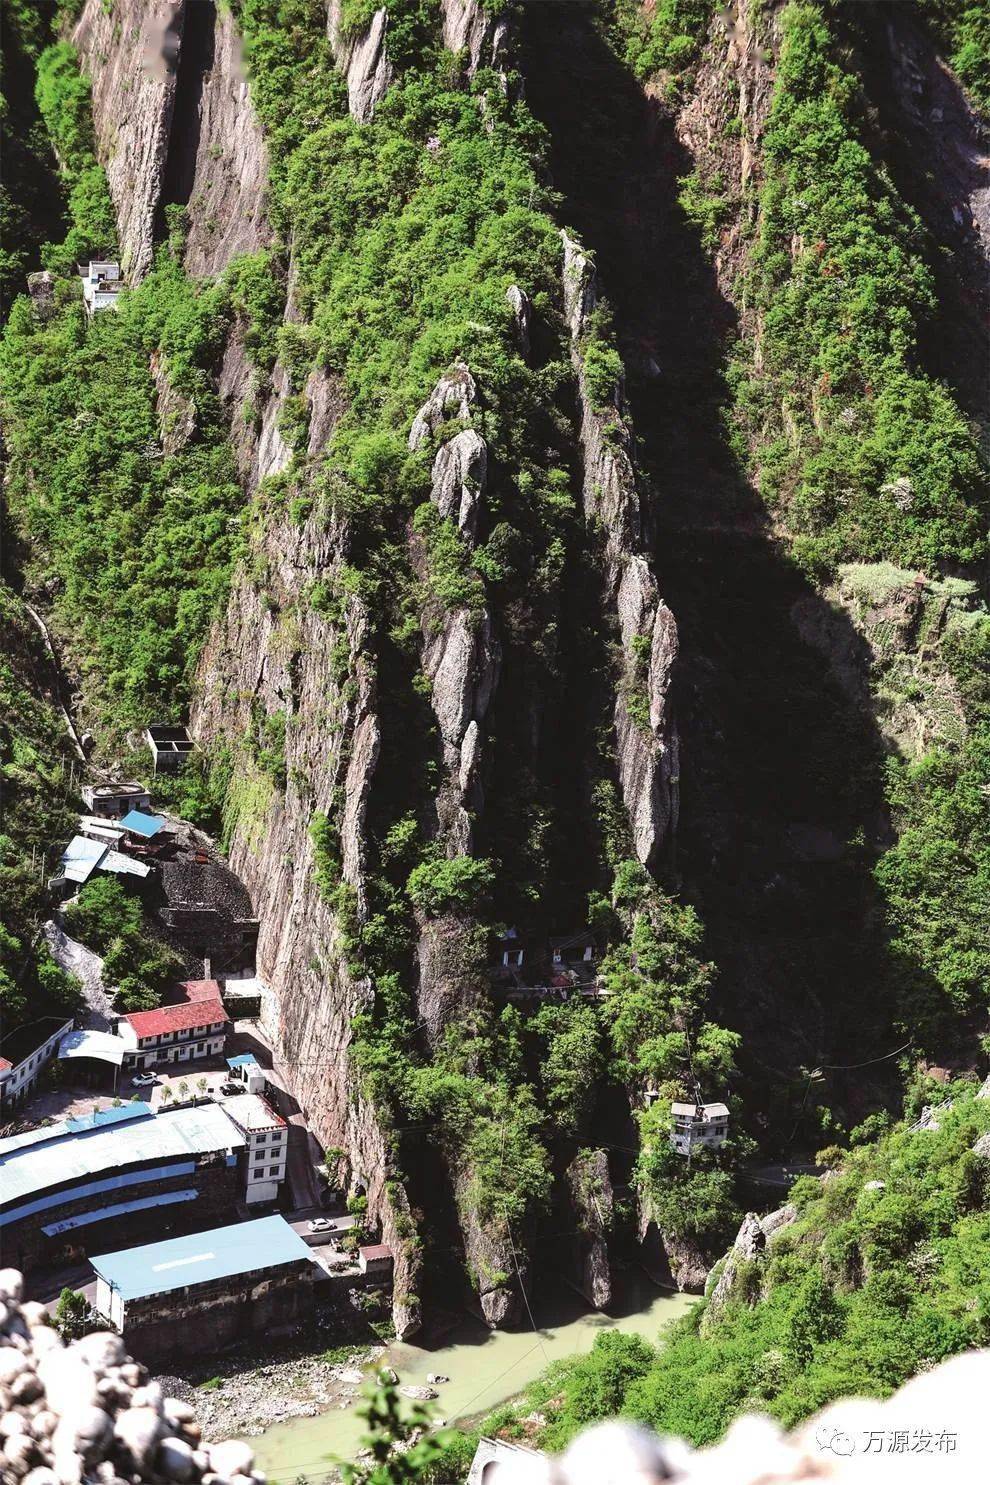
x=102 y=282
x=554 y=968
x=197 y=898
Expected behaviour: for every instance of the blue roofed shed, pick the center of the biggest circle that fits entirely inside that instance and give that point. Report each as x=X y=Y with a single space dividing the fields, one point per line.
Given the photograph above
x=201 y=1291
x=201 y=1258
x=136 y=822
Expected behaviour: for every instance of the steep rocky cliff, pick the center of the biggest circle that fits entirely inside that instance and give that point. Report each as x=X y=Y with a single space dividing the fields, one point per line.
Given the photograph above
x=219 y=159
x=362 y=56
x=646 y=732
x=131 y=54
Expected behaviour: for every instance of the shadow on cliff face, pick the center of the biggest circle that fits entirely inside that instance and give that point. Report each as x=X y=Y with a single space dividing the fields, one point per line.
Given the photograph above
x=935 y=149
x=195 y=61
x=783 y=807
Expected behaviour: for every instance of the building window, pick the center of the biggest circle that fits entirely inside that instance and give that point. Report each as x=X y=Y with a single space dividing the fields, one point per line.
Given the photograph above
x=273 y=1170
x=257 y=1175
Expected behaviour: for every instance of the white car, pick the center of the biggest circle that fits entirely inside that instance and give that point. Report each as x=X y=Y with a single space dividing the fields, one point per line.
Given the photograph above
x=142 y=1080
x=321 y=1224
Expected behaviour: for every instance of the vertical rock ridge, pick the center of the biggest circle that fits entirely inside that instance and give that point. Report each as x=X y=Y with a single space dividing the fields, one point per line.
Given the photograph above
x=227 y=201
x=132 y=53
x=363 y=59
x=467 y=27
x=645 y=729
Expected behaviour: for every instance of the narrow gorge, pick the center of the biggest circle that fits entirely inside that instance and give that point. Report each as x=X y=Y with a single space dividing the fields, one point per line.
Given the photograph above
x=538 y=452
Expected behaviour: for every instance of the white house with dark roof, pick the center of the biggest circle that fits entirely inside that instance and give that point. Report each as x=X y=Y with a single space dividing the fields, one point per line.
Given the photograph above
x=24 y=1055
x=698 y=1126
x=102 y=282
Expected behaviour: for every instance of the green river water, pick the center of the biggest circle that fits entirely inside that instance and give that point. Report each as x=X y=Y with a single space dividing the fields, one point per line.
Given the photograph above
x=484 y=1368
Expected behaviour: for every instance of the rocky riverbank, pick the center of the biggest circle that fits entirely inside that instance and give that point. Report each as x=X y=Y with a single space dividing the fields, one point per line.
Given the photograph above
x=246 y=1394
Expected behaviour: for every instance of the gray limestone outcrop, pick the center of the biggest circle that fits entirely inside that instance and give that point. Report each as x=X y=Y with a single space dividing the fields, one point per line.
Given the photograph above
x=227 y=207
x=467 y=27
x=752 y=1240
x=363 y=59
x=645 y=729
x=461 y=652
x=130 y=51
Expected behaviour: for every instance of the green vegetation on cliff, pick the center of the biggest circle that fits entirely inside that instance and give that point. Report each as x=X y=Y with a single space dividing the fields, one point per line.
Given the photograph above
x=869 y=458
x=883 y=1272
x=140 y=540
x=36 y=809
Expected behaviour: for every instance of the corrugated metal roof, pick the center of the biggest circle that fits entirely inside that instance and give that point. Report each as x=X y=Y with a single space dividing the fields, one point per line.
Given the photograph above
x=81 y=857
x=32 y=1164
x=120 y=1209
x=201 y=1257
x=138 y=823
x=99 y=1044
x=124 y=866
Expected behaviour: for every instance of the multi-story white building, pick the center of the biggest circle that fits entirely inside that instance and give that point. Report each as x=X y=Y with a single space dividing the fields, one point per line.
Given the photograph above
x=30 y=1051
x=267 y=1149
x=698 y=1126
x=173 y=1033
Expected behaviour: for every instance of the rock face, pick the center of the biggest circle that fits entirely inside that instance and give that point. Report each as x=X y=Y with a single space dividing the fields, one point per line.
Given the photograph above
x=469 y=28
x=591 y=1198
x=228 y=190
x=461 y=655
x=645 y=730
x=273 y=652
x=752 y=1240
x=176 y=413
x=461 y=652
x=131 y=51
x=363 y=59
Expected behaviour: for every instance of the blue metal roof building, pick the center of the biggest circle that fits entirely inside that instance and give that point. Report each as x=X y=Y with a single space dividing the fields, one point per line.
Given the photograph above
x=201 y=1258
x=136 y=822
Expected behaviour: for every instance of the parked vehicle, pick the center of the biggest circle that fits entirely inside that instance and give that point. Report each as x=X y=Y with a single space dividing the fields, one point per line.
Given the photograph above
x=321 y=1224
x=143 y=1080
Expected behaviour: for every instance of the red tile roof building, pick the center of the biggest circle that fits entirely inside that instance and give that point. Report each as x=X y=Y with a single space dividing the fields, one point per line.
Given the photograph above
x=189 y=1015
x=201 y=989
x=173 y=1033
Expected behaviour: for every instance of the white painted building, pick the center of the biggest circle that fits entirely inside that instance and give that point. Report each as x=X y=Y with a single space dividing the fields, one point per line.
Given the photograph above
x=114 y=800
x=698 y=1126
x=173 y=1033
x=267 y=1144
x=20 y=1072
x=102 y=282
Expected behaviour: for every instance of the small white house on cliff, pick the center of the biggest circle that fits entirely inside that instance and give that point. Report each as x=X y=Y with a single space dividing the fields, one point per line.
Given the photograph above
x=102 y=282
